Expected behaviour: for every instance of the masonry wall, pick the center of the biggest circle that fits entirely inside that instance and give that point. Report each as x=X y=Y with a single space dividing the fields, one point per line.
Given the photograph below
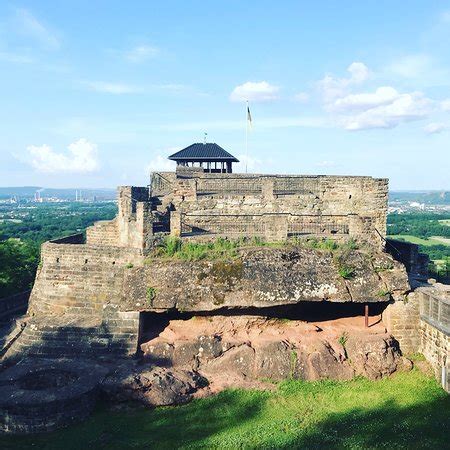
x=134 y=219
x=75 y=302
x=421 y=323
x=323 y=205
x=105 y=232
x=79 y=278
x=435 y=346
x=402 y=320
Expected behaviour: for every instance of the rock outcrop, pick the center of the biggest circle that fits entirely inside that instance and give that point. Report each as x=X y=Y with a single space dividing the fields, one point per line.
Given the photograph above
x=264 y=277
x=151 y=386
x=254 y=348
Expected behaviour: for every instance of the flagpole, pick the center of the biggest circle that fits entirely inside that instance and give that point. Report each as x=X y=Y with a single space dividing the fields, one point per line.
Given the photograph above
x=246 y=137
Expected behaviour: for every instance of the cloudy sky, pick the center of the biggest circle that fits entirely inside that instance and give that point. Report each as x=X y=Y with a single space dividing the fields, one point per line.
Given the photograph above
x=97 y=93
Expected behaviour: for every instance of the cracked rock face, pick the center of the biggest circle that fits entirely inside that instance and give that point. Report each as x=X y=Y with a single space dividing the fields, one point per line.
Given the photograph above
x=264 y=277
x=254 y=348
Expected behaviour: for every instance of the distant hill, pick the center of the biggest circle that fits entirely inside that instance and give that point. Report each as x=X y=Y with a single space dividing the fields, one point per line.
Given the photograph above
x=25 y=192
x=427 y=197
x=22 y=191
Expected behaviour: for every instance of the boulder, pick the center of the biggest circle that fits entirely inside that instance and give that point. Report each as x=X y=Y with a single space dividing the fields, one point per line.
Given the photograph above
x=152 y=386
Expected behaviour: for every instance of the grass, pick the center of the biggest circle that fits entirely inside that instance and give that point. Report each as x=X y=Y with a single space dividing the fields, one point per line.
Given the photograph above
x=220 y=249
x=151 y=294
x=407 y=410
x=416 y=240
x=173 y=247
x=346 y=272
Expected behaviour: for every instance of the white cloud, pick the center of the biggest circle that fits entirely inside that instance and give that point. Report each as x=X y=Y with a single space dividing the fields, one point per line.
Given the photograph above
x=81 y=157
x=359 y=72
x=141 y=53
x=112 y=88
x=383 y=108
x=301 y=97
x=28 y=25
x=354 y=102
x=445 y=105
x=332 y=88
x=160 y=163
x=247 y=162
x=435 y=128
x=260 y=91
x=404 y=108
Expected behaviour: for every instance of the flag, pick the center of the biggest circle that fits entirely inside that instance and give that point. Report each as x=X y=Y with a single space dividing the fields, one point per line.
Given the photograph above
x=249 y=117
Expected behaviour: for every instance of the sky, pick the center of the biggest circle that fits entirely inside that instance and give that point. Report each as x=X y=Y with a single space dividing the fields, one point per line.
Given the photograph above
x=99 y=93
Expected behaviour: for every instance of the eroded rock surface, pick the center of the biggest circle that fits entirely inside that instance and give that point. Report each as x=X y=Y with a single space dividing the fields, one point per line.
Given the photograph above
x=254 y=348
x=264 y=277
x=152 y=386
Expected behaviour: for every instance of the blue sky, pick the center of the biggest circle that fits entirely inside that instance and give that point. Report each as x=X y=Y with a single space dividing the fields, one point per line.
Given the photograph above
x=97 y=93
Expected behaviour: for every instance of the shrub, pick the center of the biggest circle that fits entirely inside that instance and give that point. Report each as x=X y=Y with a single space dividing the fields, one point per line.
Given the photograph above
x=383 y=293
x=151 y=294
x=351 y=244
x=343 y=339
x=346 y=272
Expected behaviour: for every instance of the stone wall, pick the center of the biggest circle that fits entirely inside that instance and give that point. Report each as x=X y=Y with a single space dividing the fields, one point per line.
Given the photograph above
x=435 y=346
x=75 y=302
x=402 y=320
x=305 y=205
x=104 y=232
x=80 y=278
x=134 y=218
x=13 y=305
x=421 y=323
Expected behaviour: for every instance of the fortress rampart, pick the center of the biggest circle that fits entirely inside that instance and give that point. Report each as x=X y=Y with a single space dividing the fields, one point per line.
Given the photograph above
x=197 y=205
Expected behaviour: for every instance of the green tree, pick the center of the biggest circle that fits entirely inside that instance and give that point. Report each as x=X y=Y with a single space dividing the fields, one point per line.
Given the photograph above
x=18 y=263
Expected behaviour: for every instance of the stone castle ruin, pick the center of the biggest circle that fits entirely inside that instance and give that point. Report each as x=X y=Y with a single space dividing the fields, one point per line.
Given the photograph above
x=198 y=203
x=283 y=306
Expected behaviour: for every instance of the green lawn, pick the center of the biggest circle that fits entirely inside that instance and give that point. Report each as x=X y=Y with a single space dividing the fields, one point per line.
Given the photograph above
x=408 y=410
x=417 y=240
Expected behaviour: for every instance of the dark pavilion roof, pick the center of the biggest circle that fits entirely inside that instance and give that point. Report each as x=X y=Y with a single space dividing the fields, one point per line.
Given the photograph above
x=203 y=152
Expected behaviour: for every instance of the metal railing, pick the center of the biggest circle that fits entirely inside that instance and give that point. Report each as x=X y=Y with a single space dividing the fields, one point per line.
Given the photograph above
x=159 y=185
x=251 y=225
x=229 y=185
x=435 y=310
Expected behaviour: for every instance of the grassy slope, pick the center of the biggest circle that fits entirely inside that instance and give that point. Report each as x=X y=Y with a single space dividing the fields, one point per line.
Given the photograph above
x=408 y=410
x=417 y=240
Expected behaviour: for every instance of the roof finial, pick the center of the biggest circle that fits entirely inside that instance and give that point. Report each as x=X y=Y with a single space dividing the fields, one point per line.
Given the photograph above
x=204 y=138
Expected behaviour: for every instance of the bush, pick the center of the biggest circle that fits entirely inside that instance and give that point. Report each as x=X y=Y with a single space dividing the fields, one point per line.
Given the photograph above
x=346 y=272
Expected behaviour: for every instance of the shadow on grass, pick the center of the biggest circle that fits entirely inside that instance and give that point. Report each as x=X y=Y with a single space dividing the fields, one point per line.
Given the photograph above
x=255 y=419
x=389 y=426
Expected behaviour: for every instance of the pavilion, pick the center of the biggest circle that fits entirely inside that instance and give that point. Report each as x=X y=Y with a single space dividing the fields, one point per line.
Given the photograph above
x=209 y=156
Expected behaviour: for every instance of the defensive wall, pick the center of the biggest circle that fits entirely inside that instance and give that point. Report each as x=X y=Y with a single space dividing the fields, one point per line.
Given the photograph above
x=421 y=323
x=74 y=301
x=272 y=207
x=197 y=205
